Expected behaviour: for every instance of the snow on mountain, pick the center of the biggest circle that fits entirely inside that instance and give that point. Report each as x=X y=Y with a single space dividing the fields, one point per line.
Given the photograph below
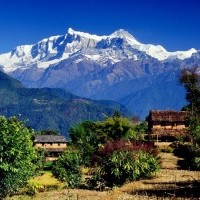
x=182 y=54
x=125 y=35
x=85 y=35
x=50 y=51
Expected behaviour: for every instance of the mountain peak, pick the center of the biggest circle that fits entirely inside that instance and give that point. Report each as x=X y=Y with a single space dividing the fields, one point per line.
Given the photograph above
x=193 y=50
x=70 y=31
x=121 y=33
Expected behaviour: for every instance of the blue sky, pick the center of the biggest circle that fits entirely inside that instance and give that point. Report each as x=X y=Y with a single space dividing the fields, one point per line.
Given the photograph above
x=175 y=24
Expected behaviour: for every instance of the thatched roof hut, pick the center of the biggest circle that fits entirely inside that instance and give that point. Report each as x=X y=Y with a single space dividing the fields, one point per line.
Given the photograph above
x=50 y=139
x=54 y=145
x=167 y=116
x=167 y=123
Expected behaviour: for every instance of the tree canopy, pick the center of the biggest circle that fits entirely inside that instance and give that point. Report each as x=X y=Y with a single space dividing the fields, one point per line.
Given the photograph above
x=116 y=128
x=190 y=78
x=89 y=136
x=17 y=155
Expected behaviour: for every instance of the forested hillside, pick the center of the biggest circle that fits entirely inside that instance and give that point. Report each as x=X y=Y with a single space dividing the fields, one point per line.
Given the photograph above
x=50 y=108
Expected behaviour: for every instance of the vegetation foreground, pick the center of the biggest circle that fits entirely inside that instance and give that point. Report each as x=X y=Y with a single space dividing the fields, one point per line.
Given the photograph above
x=168 y=184
x=120 y=163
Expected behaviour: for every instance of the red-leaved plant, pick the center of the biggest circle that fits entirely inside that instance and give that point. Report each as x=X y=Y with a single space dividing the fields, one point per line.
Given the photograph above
x=110 y=146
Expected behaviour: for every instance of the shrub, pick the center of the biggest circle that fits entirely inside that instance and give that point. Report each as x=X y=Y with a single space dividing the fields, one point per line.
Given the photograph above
x=67 y=168
x=112 y=146
x=40 y=159
x=191 y=155
x=124 y=165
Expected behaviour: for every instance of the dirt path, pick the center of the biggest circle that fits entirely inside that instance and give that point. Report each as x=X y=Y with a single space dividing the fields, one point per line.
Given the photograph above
x=169 y=161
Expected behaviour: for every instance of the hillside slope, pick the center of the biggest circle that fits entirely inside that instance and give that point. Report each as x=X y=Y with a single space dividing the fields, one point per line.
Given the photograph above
x=50 y=108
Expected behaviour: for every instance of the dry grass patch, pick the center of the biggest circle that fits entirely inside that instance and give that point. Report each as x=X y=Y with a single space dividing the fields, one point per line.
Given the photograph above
x=71 y=194
x=171 y=183
x=169 y=161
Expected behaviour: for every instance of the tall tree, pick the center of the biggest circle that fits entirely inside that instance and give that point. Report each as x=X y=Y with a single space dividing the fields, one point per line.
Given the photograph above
x=84 y=136
x=17 y=155
x=190 y=78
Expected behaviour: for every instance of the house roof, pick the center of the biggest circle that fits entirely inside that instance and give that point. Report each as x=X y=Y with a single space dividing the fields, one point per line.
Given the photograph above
x=50 y=138
x=168 y=115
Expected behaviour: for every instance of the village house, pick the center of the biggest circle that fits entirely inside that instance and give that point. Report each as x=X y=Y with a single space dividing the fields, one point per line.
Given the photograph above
x=167 y=124
x=54 y=145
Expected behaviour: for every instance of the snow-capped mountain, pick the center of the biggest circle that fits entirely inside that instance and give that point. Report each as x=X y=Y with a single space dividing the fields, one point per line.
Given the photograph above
x=116 y=67
x=57 y=48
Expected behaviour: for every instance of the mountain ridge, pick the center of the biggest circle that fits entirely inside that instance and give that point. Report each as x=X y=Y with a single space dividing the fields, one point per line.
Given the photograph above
x=115 y=67
x=49 y=46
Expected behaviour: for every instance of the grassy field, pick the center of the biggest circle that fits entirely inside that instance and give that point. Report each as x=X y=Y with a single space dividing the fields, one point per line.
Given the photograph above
x=170 y=183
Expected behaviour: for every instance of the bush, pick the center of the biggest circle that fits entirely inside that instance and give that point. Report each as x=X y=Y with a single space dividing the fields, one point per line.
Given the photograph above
x=191 y=155
x=110 y=146
x=124 y=165
x=67 y=168
x=40 y=159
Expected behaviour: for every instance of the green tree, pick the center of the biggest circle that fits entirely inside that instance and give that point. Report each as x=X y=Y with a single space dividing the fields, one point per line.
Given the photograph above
x=115 y=128
x=190 y=78
x=83 y=136
x=67 y=168
x=142 y=127
x=48 y=132
x=17 y=155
